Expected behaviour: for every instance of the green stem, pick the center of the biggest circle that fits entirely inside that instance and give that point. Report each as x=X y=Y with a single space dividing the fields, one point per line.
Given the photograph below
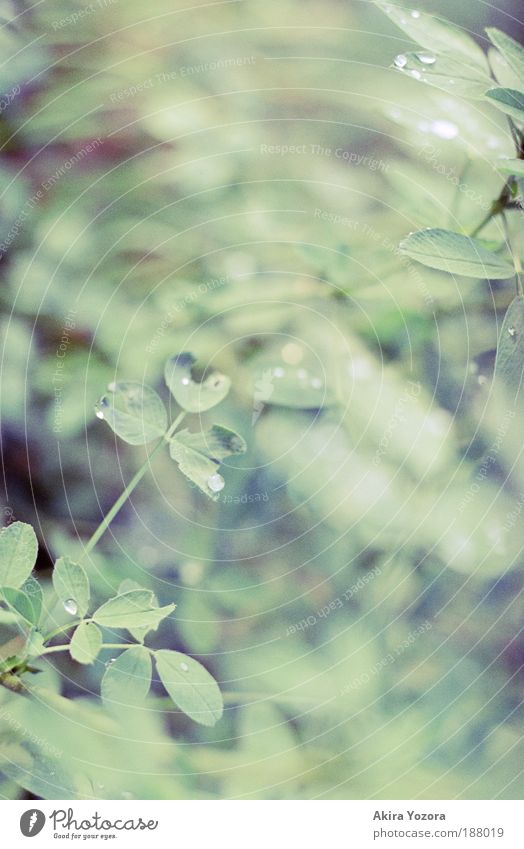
x=482 y=224
x=53 y=649
x=169 y=433
x=61 y=630
x=119 y=503
x=498 y=206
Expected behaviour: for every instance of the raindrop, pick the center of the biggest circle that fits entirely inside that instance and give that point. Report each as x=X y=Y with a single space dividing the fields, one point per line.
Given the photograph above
x=415 y=13
x=111 y=387
x=278 y=372
x=416 y=74
x=426 y=58
x=185 y=381
x=316 y=383
x=400 y=61
x=184 y=667
x=103 y=403
x=70 y=606
x=512 y=332
x=216 y=483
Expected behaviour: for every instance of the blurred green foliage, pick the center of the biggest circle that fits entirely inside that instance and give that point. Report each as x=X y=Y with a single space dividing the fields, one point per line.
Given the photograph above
x=233 y=179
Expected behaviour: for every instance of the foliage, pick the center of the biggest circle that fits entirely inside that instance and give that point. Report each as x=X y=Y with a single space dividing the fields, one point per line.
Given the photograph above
x=338 y=232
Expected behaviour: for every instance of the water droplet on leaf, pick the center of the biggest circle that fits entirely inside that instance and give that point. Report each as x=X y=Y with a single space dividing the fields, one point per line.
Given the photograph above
x=70 y=606
x=426 y=58
x=512 y=332
x=415 y=13
x=99 y=408
x=216 y=483
x=184 y=667
x=400 y=61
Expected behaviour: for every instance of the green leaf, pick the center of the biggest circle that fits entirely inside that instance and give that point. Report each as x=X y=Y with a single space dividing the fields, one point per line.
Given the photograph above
x=132 y=609
x=35 y=644
x=509 y=365
x=217 y=443
x=134 y=411
x=20 y=602
x=190 y=686
x=511 y=166
x=456 y=254
x=199 y=455
x=18 y=552
x=190 y=395
x=435 y=34
x=445 y=73
x=511 y=50
x=128 y=678
x=33 y=589
x=508 y=100
x=71 y=585
x=128 y=584
x=86 y=643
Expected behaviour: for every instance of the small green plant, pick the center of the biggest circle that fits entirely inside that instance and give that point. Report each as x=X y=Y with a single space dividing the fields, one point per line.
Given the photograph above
x=452 y=61
x=137 y=415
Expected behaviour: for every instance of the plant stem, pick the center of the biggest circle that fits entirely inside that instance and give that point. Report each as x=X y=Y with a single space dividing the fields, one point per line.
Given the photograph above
x=119 y=503
x=60 y=630
x=54 y=649
x=498 y=206
x=169 y=433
